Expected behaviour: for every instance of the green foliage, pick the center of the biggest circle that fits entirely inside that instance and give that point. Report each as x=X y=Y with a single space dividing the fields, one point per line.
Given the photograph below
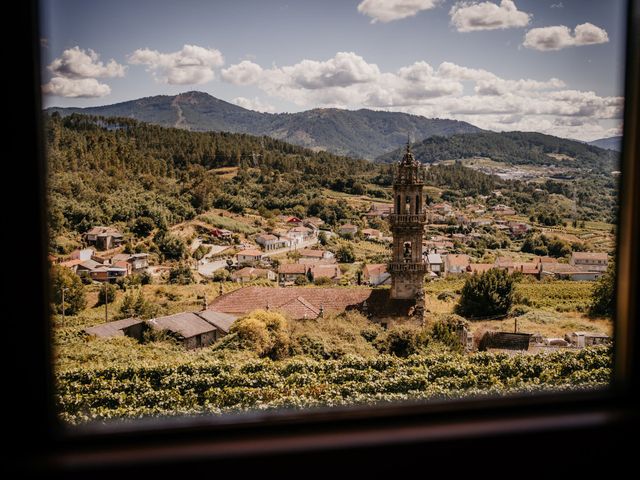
x=171 y=247
x=266 y=333
x=74 y=296
x=143 y=226
x=345 y=253
x=445 y=330
x=402 y=341
x=201 y=251
x=486 y=295
x=106 y=294
x=181 y=274
x=219 y=386
x=135 y=305
x=301 y=280
x=603 y=300
x=222 y=275
x=547 y=217
x=543 y=245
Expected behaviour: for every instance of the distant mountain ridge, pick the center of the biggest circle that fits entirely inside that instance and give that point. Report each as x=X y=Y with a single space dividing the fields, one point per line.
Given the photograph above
x=360 y=133
x=610 y=143
x=511 y=147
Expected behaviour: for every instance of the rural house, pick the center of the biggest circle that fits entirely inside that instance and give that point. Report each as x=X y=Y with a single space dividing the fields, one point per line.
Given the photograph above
x=371 y=234
x=189 y=327
x=435 y=263
x=103 y=238
x=249 y=256
x=130 y=327
x=590 y=261
x=347 y=229
x=247 y=274
x=270 y=242
x=290 y=272
x=332 y=272
x=376 y=274
x=300 y=234
x=138 y=262
x=456 y=263
x=308 y=255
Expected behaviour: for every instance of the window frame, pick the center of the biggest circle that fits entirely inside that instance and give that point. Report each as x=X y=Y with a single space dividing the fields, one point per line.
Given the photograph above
x=54 y=448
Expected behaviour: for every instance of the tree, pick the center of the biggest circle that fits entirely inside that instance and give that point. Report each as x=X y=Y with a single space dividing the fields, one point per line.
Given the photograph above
x=486 y=295
x=74 y=296
x=172 y=247
x=106 y=294
x=135 y=305
x=345 y=253
x=603 y=301
x=143 y=226
x=322 y=238
x=181 y=274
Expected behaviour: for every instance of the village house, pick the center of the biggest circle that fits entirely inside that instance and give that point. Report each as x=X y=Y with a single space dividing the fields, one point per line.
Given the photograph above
x=590 y=261
x=481 y=222
x=313 y=222
x=501 y=209
x=567 y=272
x=586 y=339
x=376 y=274
x=292 y=221
x=272 y=242
x=192 y=328
x=247 y=274
x=137 y=262
x=518 y=229
x=379 y=210
x=221 y=233
x=104 y=238
x=479 y=268
x=250 y=255
x=456 y=263
x=332 y=272
x=300 y=234
x=442 y=208
x=435 y=263
x=308 y=256
x=288 y=273
x=130 y=327
x=348 y=229
x=476 y=209
x=371 y=234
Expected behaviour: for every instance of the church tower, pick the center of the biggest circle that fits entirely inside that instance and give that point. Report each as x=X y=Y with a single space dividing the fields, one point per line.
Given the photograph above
x=407 y=267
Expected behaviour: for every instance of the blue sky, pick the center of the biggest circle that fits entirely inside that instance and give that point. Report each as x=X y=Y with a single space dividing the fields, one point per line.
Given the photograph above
x=550 y=66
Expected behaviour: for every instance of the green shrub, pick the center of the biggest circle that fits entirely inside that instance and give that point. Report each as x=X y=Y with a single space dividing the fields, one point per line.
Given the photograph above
x=486 y=295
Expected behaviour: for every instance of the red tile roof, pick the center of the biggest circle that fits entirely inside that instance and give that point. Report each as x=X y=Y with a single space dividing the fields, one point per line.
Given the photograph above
x=291 y=268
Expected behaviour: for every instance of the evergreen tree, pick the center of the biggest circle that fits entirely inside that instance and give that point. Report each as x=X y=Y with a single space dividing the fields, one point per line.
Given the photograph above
x=486 y=295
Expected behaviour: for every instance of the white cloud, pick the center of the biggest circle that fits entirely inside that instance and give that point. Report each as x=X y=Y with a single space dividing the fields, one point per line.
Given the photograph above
x=76 y=87
x=78 y=63
x=243 y=73
x=560 y=36
x=190 y=66
x=254 y=104
x=389 y=10
x=343 y=70
x=447 y=91
x=76 y=71
x=474 y=16
x=557 y=5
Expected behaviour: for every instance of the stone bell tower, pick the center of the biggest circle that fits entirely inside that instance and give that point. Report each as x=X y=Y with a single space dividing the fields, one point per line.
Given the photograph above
x=407 y=267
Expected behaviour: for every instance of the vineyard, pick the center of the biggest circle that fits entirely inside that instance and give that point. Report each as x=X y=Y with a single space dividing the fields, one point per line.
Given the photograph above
x=217 y=386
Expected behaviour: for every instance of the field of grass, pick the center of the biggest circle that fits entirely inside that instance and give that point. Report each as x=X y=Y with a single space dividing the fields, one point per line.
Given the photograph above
x=228 y=223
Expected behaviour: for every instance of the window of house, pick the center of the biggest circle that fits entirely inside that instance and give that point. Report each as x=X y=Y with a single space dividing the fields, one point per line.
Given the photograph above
x=159 y=139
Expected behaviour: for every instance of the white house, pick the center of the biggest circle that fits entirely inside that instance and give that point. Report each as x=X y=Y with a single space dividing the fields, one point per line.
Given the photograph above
x=590 y=261
x=249 y=256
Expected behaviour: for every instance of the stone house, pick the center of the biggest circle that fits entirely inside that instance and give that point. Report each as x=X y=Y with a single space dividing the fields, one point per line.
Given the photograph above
x=104 y=238
x=590 y=261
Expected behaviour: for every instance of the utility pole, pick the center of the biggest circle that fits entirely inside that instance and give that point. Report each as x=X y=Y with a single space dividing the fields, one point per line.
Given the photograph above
x=106 y=302
x=63 y=307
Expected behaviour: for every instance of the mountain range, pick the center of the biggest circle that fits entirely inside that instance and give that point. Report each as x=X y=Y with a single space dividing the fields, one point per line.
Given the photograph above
x=360 y=133
x=610 y=143
x=513 y=147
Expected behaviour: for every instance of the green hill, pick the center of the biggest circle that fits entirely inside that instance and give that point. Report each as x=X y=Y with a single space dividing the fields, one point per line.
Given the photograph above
x=360 y=134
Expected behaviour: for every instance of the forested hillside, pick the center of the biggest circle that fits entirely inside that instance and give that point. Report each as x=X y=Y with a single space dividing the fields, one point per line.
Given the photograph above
x=512 y=147
x=104 y=171
x=360 y=134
